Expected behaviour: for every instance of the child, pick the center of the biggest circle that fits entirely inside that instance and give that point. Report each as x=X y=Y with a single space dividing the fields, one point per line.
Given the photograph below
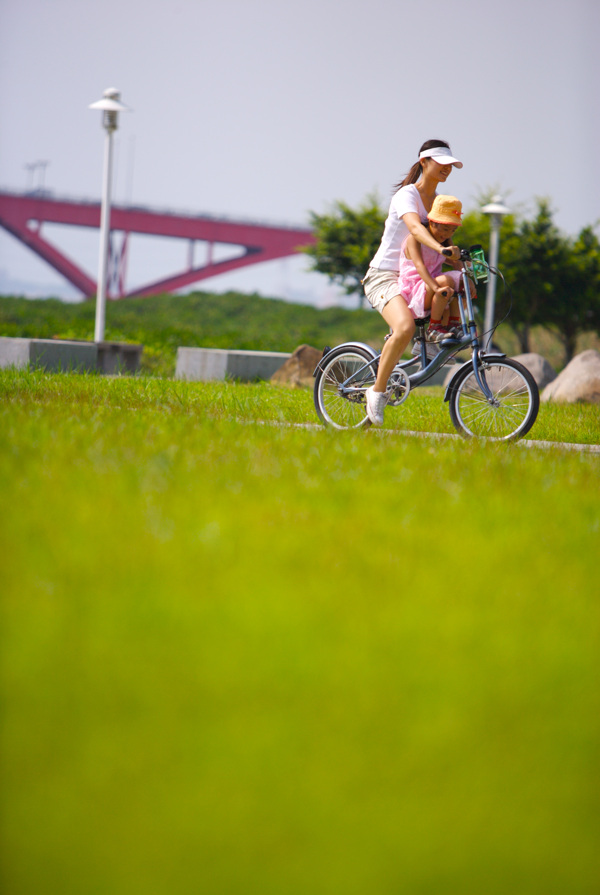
x=421 y=282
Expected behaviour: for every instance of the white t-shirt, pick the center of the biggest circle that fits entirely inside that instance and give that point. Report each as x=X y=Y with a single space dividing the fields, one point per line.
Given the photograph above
x=406 y=199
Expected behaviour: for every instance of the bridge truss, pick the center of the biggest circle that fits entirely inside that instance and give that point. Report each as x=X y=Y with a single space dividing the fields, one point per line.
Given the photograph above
x=23 y=215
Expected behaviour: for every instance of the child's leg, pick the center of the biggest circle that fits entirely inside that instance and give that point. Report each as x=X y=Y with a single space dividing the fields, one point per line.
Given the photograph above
x=453 y=306
x=438 y=326
x=454 y=320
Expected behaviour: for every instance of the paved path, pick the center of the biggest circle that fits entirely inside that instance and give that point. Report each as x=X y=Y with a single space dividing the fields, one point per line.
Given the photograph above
x=524 y=442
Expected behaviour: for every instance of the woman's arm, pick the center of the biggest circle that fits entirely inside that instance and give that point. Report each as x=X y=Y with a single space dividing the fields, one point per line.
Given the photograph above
x=422 y=235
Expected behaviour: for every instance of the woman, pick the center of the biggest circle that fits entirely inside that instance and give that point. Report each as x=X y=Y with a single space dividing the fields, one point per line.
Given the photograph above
x=409 y=208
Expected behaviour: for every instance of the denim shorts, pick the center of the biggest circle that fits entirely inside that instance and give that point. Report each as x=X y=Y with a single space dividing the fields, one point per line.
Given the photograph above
x=380 y=287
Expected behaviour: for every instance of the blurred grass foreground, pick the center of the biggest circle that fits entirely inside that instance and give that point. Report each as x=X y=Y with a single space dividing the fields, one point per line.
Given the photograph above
x=243 y=658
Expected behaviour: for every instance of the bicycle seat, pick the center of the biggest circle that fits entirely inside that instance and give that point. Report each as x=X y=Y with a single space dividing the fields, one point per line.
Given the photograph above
x=421 y=321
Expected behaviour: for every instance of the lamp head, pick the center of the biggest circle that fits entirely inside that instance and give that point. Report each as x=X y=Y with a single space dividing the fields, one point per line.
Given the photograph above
x=496 y=206
x=110 y=106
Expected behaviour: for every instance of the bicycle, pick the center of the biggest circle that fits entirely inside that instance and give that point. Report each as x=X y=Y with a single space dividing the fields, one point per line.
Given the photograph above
x=489 y=396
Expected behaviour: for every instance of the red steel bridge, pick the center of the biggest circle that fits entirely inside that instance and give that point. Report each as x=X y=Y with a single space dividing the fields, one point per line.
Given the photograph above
x=24 y=214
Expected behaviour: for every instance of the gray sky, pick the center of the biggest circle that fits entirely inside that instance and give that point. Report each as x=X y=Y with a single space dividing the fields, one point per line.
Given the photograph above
x=266 y=110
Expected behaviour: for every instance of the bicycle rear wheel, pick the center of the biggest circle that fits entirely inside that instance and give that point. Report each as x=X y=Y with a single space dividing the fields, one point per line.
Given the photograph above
x=512 y=410
x=344 y=410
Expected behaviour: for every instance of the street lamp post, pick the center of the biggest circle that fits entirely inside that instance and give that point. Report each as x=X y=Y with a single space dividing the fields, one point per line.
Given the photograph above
x=496 y=210
x=110 y=106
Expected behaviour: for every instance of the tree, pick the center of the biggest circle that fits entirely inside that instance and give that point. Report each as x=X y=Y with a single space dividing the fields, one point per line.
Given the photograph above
x=346 y=240
x=552 y=280
x=574 y=304
x=536 y=259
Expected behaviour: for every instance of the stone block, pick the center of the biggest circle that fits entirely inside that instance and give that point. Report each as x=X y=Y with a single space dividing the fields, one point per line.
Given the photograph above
x=63 y=355
x=14 y=352
x=49 y=354
x=118 y=357
x=205 y=364
x=201 y=364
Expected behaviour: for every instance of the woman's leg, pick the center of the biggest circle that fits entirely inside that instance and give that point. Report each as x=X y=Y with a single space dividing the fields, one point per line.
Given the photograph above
x=401 y=322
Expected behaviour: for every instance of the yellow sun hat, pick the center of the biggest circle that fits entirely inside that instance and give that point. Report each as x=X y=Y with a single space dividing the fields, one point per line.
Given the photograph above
x=446 y=210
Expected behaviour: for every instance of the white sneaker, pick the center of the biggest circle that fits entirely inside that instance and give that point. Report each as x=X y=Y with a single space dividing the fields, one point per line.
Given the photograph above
x=376 y=402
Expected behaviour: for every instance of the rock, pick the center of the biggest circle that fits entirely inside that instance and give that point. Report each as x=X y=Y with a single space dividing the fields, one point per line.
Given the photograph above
x=298 y=370
x=579 y=381
x=538 y=366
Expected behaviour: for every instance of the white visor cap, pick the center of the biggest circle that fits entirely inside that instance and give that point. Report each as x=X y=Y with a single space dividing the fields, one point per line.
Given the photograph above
x=442 y=155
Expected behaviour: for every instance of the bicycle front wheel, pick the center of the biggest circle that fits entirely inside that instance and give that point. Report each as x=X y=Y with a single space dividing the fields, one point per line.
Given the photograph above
x=340 y=388
x=512 y=409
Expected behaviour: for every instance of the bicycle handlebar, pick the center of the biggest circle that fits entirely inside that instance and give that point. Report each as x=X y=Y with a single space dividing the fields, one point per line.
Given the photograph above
x=465 y=254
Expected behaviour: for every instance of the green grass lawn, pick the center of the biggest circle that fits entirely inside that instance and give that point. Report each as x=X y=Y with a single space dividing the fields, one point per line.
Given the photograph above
x=243 y=658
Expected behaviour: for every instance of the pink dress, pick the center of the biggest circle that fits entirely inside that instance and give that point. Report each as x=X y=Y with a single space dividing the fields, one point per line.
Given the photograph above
x=412 y=287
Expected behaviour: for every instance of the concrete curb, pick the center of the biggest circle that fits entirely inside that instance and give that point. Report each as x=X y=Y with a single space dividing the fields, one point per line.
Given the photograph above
x=208 y=364
x=70 y=356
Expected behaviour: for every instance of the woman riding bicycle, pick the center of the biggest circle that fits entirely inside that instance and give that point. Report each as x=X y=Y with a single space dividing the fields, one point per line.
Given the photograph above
x=408 y=211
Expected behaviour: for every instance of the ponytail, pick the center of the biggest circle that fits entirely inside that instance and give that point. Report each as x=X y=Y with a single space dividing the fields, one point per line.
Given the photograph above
x=412 y=176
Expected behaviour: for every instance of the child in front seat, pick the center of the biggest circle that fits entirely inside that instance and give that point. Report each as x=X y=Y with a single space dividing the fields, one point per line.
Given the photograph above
x=422 y=284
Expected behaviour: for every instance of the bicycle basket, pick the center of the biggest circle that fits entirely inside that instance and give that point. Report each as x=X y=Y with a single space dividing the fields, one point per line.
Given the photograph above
x=478 y=262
